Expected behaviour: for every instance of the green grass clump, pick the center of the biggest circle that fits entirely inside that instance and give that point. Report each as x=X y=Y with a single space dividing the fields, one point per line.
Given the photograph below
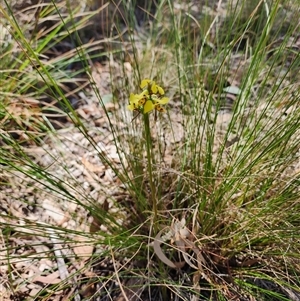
x=198 y=203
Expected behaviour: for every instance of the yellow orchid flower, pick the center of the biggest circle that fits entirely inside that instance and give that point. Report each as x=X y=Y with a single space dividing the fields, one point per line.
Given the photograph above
x=149 y=106
x=152 y=87
x=136 y=101
x=133 y=102
x=150 y=99
x=145 y=83
x=161 y=101
x=155 y=104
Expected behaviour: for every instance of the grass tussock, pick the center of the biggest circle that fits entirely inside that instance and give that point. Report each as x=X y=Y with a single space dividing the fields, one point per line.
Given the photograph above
x=181 y=187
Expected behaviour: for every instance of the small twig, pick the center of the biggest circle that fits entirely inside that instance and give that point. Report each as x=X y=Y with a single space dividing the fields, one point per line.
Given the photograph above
x=62 y=268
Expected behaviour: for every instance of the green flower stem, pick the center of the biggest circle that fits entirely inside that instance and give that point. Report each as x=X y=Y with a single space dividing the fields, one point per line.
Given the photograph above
x=150 y=162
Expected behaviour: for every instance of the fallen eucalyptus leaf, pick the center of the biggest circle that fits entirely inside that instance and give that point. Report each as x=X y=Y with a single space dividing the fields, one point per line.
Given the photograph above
x=160 y=254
